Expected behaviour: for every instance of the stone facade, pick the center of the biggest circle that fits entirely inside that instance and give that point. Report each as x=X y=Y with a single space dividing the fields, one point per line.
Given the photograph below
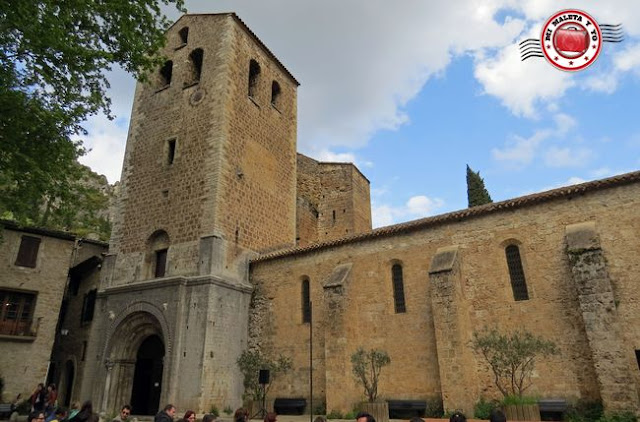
x=581 y=295
x=24 y=360
x=220 y=222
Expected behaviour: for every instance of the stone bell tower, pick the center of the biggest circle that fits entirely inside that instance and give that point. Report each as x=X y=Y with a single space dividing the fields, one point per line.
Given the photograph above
x=209 y=177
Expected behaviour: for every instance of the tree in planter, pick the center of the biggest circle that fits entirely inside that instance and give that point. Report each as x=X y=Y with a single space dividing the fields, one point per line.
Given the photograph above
x=251 y=362
x=366 y=366
x=511 y=357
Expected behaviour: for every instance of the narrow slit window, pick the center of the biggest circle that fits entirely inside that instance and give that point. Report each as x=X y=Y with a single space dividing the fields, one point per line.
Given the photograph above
x=184 y=35
x=398 y=289
x=275 y=94
x=516 y=273
x=166 y=73
x=306 y=301
x=254 y=76
x=88 y=306
x=171 y=151
x=161 y=263
x=28 y=252
x=195 y=62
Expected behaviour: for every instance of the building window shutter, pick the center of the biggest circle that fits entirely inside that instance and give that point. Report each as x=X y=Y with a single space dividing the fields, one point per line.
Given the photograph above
x=516 y=273
x=306 y=302
x=398 y=289
x=28 y=252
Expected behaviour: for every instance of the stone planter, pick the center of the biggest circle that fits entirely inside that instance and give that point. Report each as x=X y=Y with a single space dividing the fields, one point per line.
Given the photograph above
x=522 y=412
x=379 y=410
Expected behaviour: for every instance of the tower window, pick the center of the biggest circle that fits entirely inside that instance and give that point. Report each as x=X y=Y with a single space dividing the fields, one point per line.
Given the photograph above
x=516 y=273
x=254 y=76
x=28 y=252
x=171 y=151
x=165 y=73
x=398 y=289
x=275 y=94
x=184 y=35
x=306 y=301
x=195 y=66
x=161 y=263
x=88 y=306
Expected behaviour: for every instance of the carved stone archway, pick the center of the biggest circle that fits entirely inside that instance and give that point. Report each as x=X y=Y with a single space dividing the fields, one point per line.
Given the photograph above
x=125 y=336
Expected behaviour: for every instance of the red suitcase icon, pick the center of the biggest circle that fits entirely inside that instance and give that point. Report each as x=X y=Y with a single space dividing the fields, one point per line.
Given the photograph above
x=572 y=40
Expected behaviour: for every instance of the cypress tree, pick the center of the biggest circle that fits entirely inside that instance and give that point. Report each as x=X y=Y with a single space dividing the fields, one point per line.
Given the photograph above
x=476 y=192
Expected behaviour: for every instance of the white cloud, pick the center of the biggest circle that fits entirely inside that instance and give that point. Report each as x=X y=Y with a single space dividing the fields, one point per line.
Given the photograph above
x=567 y=157
x=520 y=151
x=416 y=207
x=106 y=142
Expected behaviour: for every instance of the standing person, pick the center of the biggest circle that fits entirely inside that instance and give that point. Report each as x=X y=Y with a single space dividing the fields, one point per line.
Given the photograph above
x=86 y=413
x=38 y=398
x=166 y=415
x=125 y=412
x=51 y=402
x=189 y=416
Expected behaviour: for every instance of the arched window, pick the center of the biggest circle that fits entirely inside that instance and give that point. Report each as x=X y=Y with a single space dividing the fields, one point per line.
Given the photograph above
x=157 y=251
x=398 y=289
x=184 y=35
x=275 y=94
x=195 y=66
x=306 y=301
x=166 y=72
x=516 y=273
x=254 y=76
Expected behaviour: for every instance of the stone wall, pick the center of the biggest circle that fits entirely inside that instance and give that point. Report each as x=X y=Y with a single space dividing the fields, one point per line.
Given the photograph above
x=362 y=314
x=333 y=201
x=70 y=348
x=24 y=360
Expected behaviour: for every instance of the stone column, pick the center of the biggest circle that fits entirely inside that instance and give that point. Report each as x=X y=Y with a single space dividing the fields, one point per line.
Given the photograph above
x=337 y=359
x=455 y=360
x=601 y=321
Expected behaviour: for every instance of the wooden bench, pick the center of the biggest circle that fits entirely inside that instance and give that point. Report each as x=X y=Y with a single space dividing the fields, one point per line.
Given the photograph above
x=552 y=409
x=406 y=409
x=289 y=406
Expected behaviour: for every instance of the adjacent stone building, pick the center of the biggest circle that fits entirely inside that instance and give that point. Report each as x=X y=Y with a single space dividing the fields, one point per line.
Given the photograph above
x=33 y=280
x=225 y=238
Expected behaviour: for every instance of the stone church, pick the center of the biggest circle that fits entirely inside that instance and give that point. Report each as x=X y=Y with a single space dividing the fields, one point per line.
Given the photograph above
x=225 y=238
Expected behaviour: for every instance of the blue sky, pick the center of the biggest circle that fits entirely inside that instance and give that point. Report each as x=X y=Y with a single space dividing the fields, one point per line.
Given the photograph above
x=412 y=92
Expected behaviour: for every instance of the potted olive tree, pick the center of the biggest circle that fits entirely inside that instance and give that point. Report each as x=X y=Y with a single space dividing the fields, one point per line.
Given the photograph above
x=511 y=359
x=366 y=366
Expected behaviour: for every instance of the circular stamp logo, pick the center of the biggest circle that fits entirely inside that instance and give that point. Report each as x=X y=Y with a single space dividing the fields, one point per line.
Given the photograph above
x=571 y=40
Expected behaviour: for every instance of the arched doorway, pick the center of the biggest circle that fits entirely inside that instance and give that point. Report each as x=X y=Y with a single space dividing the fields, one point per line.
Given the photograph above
x=147 y=378
x=69 y=373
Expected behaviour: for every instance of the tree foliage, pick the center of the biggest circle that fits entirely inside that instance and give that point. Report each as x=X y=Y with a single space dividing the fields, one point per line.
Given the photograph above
x=53 y=59
x=477 y=194
x=511 y=357
x=366 y=366
x=251 y=362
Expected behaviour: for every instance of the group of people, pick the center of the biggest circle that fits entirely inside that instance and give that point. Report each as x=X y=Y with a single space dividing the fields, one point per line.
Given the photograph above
x=45 y=409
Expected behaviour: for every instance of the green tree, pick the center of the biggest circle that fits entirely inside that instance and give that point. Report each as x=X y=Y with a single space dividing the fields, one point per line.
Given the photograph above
x=366 y=367
x=477 y=194
x=53 y=59
x=511 y=358
x=251 y=362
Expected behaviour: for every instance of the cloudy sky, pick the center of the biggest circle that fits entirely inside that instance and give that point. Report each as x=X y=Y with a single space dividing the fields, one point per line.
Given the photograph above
x=412 y=91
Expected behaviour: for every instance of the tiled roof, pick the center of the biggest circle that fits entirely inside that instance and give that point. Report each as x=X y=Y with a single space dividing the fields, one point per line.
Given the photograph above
x=456 y=216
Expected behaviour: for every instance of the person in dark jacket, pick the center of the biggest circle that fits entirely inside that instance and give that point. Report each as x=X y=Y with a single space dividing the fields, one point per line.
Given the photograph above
x=38 y=398
x=166 y=415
